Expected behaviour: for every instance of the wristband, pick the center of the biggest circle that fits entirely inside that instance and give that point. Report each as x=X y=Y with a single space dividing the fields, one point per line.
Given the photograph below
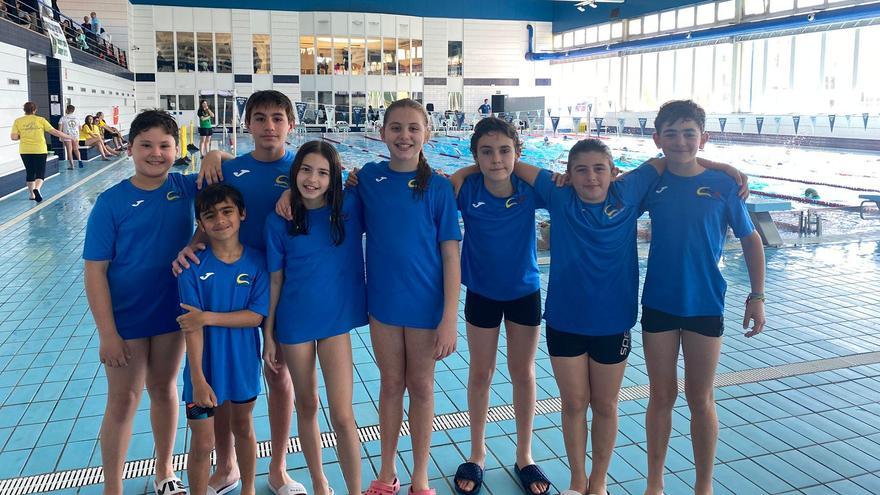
x=756 y=296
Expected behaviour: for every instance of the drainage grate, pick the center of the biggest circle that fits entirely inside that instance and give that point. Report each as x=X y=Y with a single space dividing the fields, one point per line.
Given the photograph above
x=146 y=467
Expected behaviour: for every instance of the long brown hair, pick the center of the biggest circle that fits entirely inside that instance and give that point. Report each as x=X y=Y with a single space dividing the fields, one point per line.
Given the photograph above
x=423 y=170
x=333 y=196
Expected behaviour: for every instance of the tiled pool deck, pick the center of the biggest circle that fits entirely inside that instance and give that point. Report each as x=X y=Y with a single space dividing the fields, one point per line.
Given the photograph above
x=798 y=430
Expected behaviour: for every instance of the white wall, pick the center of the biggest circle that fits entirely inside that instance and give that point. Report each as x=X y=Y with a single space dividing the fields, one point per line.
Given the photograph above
x=14 y=62
x=92 y=91
x=113 y=14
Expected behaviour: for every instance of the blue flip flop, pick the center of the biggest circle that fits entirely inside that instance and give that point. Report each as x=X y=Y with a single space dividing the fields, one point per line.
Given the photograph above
x=469 y=471
x=530 y=475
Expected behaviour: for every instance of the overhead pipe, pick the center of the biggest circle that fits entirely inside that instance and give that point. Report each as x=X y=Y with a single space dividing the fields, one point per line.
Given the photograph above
x=856 y=13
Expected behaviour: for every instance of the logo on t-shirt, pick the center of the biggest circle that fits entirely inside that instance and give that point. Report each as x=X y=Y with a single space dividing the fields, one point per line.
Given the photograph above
x=137 y=203
x=478 y=204
x=282 y=181
x=411 y=184
x=243 y=279
x=513 y=201
x=612 y=210
x=707 y=192
x=172 y=195
x=239 y=173
x=206 y=276
x=380 y=179
x=661 y=189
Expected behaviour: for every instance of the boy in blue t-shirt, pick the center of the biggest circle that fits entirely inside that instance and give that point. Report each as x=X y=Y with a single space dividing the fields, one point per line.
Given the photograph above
x=133 y=233
x=691 y=209
x=261 y=176
x=226 y=297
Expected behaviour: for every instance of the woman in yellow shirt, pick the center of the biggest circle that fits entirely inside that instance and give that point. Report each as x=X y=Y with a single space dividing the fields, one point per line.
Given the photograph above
x=30 y=132
x=91 y=135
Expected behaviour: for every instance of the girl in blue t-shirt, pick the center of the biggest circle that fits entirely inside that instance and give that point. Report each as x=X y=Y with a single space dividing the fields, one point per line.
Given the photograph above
x=317 y=296
x=500 y=269
x=413 y=282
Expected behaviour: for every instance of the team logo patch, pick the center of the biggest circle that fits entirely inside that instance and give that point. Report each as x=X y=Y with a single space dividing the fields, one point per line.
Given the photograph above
x=206 y=276
x=137 y=203
x=513 y=201
x=477 y=204
x=707 y=192
x=282 y=181
x=172 y=195
x=243 y=279
x=239 y=173
x=411 y=183
x=612 y=210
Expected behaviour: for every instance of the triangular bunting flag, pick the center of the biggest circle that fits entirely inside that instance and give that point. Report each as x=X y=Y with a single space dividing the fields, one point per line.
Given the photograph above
x=642 y=123
x=599 y=121
x=759 y=121
x=831 y=118
x=722 y=122
x=555 y=121
x=796 y=119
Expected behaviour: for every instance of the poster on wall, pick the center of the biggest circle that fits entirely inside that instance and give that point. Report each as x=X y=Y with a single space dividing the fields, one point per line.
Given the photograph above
x=60 y=48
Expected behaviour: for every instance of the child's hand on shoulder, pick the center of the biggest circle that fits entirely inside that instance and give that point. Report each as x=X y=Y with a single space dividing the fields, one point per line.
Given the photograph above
x=352 y=180
x=445 y=339
x=282 y=207
x=186 y=255
x=203 y=394
x=211 y=170
x=193 y=321
x=561 y=180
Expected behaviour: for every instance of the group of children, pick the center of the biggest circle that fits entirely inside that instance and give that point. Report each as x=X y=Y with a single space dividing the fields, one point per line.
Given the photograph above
x=278 y=248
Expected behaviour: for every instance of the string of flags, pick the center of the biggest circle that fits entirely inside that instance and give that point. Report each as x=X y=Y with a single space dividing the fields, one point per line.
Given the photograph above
x=795 y=120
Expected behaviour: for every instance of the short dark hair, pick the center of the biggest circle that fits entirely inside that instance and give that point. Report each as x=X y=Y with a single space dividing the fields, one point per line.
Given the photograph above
x=268 y=98
x=69 y=109
x=30 y=107
x=494 y=124
x=148 y=119
x=680 y=110
x=586 y=146
x=215 y=194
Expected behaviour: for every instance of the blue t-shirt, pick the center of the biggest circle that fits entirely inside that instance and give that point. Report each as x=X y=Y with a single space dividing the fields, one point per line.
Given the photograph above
x=231 y=357
x=594 y=270
x=485 y=109
x=140 y=232
x=261 y=184
x=498 y=256
x=324 y=293
x=404 y=266
x=689 y=220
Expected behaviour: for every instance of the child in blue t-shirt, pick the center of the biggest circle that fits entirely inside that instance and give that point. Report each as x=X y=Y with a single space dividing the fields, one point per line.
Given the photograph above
x=318 y=292
x=133 y=233
x=691 y=210
x=226 y=297
x=499 y=266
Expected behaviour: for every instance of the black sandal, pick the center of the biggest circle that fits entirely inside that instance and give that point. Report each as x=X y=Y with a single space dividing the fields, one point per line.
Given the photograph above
x=469 y=471
x=530 y=475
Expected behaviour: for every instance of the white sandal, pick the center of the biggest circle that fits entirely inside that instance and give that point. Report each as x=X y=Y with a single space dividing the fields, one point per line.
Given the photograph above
x=169 y=486
x=292 y=488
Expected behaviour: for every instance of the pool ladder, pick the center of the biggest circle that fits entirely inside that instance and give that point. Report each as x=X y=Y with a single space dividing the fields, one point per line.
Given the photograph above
x=810 y=223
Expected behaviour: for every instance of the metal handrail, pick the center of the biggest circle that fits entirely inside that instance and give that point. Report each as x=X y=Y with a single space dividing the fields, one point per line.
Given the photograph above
x=27 y=15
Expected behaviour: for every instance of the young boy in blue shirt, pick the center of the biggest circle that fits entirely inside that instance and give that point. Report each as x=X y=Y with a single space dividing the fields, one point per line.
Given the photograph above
x=133 y=233
x=691 y=209
x=261 y=176
x=226 y=297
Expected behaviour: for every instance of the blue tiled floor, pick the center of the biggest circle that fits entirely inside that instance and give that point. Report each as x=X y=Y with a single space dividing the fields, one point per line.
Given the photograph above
x=812 y=433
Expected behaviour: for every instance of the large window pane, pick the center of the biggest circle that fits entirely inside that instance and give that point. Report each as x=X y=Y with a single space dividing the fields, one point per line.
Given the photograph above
x=722 y=98
x=164 y=51
x=869 y=69
x=633 y=82
x=726 y=10
x=665 y=76
x=704 y=59
x=755 y=7
x=358 y=56
x=342 y=111
x=403 y=56
x=839 y=51
x=684 y=71
x=416 y=55
x=186 y=102
x=168 y=102
x=262 y=53
x=706 y=13
x=340 y=56
x=223 y=42
x=374 y=57
x=651 y=23
x=781 y=5
x=325 y=55
x=389 y=56
x=307 y=54
x=667 y=20
x=205 y=47
x=186 y=55
x=453 y=64
x=649 y=80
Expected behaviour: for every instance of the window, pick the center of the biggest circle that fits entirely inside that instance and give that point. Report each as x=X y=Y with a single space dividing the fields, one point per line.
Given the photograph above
x=604 y=32
x=686 y=17
x=358 y=56
x=224 y=109
x=649 y=80
x=205 y=51
x=868 y=69
x=809 y=3
x=579 y=37
x=755 y=7
x=306 y=54
x=778 y=63
x=651 y=23
x=722 y=97
x=262 y=52
x=416 y=55
x=374 y=57
x=839 y=50
x=164 y=51
x=704 y=61
x=168 y=102
x=186 y=58
x=389 y=56
x=592 y=35
x=342 y=112
x=403 y=56
x=617 y=30
x=186 y=102
x=359 y=100
x=223 y=42
x=325 y=55
x=667 y=20
x=684 y=72
x=635 y=26
x=567 y=40
x=726 y=10
x=340 y=56
x=557 y=41
x=781 y=5
x=706 y=13
x=633 y=82
x=665 y=75
x=453 y=63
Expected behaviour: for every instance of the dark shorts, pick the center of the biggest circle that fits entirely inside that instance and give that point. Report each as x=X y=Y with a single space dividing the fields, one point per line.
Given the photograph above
x=654 y=321
x=34 y=166
x=604 y=349
x=206 y=131
x=194 y=412
x=487 y=313
x=108 y=134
